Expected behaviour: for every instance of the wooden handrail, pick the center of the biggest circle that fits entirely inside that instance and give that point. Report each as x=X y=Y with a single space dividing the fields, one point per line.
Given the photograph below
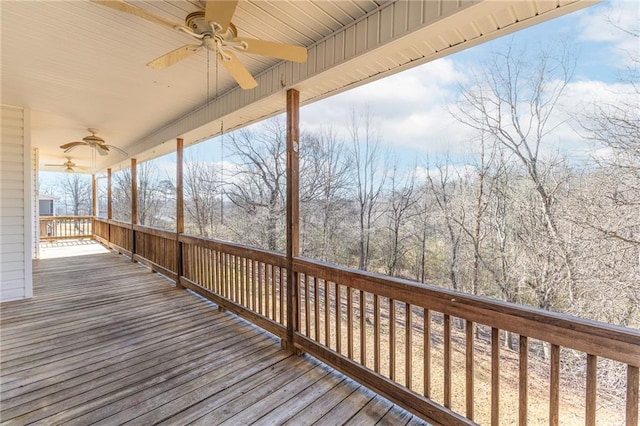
x=65 y=227
x=601 y=339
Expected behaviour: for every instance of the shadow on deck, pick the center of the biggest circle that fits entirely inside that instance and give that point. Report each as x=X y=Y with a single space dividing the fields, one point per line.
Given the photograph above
x=105 y=341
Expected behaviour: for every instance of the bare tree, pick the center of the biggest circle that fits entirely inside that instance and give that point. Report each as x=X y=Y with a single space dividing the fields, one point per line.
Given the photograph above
x=368 y=176
x=324 y=175
x=442 y=186
x=514 y=100
x=425 y=231
x=257 y=185
x=121 y=195
x=149 y=194
x=400 y=202
x=202 y=195
x=76 y=194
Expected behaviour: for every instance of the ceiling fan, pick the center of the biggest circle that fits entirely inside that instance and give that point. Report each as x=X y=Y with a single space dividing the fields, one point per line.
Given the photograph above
x=92 y=141
x=213 y=30
x=69 y=166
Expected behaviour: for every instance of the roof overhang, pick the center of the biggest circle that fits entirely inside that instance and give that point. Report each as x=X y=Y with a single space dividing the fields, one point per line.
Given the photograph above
x=94 y=74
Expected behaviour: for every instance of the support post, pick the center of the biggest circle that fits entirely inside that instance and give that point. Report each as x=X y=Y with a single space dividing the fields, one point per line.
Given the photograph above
x=94 y=196
x=94 y=203
x=109 y=196
x=134 y=205
x=179 y=208
x=109 y=207
x=293 y=212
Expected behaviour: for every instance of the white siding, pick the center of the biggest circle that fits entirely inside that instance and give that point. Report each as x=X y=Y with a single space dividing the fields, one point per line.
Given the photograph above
x=15 y=206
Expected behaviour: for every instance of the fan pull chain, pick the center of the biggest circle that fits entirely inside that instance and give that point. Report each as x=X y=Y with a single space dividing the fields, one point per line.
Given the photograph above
x=221 y=172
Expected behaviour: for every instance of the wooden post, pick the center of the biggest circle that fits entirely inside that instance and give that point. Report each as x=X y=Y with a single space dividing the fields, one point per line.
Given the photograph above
x=94 y=204
x=94 y=196
x=109 y=196
x=109 y=207
x=293 y=209
x=134 y=205
x=179 y=208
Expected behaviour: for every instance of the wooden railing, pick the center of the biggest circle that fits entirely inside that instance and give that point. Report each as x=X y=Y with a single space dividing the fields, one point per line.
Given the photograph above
x=247 y=281
x=65 y=227
x=443 y=355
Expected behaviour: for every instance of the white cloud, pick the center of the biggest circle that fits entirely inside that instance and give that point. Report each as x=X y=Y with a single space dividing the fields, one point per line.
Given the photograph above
x=616 y=23
x=409 y=109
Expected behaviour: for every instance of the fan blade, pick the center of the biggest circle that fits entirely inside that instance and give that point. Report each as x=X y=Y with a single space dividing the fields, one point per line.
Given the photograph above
x=220 y=12
x=238 y=71
x=72 y=145
x=136 y=11
x=55 y=165
x=287 y=52
x=117 y=149
x=174 y=56
x=102 y=150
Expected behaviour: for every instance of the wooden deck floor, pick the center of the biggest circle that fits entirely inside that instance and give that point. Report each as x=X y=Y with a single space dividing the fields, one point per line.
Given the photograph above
x=106 y=341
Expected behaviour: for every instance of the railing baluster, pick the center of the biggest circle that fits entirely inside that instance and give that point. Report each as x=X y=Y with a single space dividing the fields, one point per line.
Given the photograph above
x=523 y=380
x=349 y=322
x=363 y=328
x=590 y=402
x=239 y=280
x=495 y=377
x=316 y=307
x=282 y=294
x=470 y=373
x=307 y=315
x=268 y=290
x=426 y=336
x=554 y=391
x=376 y=333
x=254 y=276
x=327 y=317
x=260 y=287
x=247 y=281
x=273 y=293
x=392 y=339
x=633 y=378
x=216 y=272
x=236 y=279
x=408 y=346
x=447 y=360
x=338 y=319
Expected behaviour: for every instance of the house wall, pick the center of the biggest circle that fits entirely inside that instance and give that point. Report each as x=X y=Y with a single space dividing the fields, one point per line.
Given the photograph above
x=15 y=205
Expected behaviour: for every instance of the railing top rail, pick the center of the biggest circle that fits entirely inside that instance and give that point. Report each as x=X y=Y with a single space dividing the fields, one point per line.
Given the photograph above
x=158 y=232
x=69 y=217
x=597 y=338
x=275 y=258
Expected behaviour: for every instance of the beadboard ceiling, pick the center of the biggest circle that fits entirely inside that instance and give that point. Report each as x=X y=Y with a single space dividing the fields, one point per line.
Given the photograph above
x=78 y=64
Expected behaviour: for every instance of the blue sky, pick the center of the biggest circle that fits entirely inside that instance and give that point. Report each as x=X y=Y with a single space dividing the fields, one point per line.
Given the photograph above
x=416 y=124
x=412 y=107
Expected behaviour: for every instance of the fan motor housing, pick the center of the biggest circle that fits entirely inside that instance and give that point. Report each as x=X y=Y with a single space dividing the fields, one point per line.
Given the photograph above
x=196 y=22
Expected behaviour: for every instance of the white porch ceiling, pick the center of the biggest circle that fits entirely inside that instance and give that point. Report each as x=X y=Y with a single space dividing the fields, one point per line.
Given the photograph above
x=77 y=64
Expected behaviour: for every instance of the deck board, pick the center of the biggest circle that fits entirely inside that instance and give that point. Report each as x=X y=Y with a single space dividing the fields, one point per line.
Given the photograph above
x=106 y=341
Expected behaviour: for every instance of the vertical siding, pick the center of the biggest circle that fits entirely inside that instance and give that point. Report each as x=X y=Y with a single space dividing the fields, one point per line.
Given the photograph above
x=15 y=206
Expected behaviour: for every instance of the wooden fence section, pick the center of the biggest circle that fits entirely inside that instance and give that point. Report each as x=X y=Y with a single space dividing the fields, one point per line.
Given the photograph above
x=65 y=227
x=244 y=280
x=157 y=248
x=425 y=348
x=381 y=330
